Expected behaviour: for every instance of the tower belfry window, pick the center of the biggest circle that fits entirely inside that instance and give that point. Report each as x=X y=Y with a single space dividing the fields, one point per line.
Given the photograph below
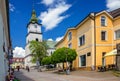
x=36 y=39
x=35 y=26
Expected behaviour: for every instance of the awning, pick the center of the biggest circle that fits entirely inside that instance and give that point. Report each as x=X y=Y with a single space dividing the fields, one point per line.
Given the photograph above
x=111 y=53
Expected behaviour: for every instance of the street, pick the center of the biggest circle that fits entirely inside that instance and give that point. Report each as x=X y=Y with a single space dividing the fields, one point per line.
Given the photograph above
x=33 y=75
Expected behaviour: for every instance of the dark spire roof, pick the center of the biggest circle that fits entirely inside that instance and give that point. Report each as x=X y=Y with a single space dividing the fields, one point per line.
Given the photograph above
x=33 y=17
x=115 y=13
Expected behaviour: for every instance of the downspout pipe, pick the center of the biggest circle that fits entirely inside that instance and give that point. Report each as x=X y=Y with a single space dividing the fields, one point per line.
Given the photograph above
x=94 y=42
x=93 y=18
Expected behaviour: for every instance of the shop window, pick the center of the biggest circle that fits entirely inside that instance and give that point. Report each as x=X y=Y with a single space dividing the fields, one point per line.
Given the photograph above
x=83 y=60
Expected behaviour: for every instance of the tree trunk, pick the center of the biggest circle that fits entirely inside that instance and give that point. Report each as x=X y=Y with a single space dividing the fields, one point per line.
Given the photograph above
x=71 y=65
x=63 y=66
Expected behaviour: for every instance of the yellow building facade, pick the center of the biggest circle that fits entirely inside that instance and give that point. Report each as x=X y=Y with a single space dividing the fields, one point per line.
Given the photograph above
x=93 y=38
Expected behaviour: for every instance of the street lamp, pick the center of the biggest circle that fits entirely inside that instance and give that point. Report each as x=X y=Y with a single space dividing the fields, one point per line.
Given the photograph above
x=67 y=67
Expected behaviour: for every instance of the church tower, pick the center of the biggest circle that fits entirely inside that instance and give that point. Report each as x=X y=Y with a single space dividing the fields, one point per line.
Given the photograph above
x=34 y=29
x=34 y=33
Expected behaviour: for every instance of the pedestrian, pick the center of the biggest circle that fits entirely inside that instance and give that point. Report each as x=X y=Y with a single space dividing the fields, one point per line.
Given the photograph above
x=27 y=68
x=18 y=68
x=11 y=77
x=12 y=70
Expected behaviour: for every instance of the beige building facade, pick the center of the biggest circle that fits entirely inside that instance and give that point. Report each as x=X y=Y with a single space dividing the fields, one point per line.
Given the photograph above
x=93 y=38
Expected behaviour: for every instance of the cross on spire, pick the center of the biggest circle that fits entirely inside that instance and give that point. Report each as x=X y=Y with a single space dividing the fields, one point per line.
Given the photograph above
x=33 y=17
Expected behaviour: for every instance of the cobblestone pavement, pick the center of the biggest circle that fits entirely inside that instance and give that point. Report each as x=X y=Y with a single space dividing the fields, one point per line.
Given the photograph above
x=33 y=75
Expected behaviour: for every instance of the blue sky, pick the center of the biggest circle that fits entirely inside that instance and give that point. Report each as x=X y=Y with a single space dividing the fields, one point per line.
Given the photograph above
x=55 y=16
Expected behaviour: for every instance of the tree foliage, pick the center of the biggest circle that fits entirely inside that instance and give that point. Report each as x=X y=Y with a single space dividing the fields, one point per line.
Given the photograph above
x=61 y=55
x=64 y=54
x=38 y=50
x=46 y=60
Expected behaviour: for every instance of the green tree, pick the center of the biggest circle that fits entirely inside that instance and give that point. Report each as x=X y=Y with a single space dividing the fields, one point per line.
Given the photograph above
x=38 y=50
x=46 y=60
x=58 y=56
x=64 y=54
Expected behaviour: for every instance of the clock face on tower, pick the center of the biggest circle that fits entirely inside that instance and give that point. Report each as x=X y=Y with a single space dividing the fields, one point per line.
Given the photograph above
x=35 y=26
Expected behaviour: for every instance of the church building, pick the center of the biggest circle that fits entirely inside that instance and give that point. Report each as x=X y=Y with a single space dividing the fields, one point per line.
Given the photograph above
x=34 y=33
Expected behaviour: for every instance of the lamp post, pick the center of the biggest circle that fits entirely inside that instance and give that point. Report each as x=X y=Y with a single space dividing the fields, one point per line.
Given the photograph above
x=67 y=67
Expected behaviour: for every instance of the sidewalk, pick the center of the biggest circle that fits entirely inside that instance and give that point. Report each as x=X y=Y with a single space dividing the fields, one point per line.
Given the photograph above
x=92 y=75
x=33 y=75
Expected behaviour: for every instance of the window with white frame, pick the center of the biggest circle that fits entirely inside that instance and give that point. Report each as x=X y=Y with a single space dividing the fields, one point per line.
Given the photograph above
x=103 y=35
x=70 y=45
x=103 y=21
x=69 y=36
x=81 y=40
x=117 y=34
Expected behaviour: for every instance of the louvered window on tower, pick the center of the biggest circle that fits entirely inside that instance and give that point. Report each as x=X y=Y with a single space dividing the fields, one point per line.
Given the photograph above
x=36 y=39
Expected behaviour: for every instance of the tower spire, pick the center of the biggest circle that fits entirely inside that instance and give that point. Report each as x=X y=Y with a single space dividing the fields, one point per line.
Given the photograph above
x=33 y=16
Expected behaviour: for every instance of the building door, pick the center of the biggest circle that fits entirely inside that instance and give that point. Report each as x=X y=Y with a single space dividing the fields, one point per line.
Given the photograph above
x=103 y=59
x=82 y=60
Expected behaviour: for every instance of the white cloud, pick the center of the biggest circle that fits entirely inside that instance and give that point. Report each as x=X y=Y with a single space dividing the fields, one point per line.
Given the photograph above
x=59 y=38
x=47 y=2
x=11 y=7
x=18 y=52
x=113 y=4
x=54 y=15
x=50 y=39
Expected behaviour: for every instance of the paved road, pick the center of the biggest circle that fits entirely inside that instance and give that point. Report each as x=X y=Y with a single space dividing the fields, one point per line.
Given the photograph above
x=74 y=76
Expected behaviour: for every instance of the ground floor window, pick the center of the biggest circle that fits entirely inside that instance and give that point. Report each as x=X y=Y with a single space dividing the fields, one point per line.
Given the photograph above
x=103 y=59
x=83 y=60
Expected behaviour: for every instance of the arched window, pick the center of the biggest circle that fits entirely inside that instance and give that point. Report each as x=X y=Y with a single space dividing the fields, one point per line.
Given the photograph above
x=69 y=36
x=36 y=39
x=103 y=21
